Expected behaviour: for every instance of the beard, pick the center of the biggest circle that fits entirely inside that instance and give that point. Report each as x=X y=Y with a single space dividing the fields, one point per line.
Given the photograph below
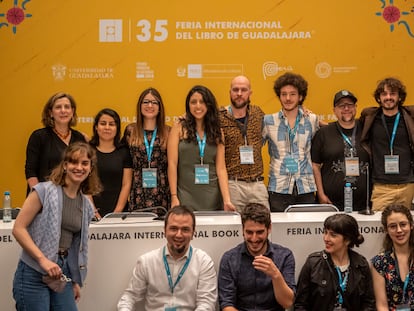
x=240 y=105
x=178 y=250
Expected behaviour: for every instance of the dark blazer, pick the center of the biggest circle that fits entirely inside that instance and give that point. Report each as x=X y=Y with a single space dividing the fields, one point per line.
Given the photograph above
x=367 y=119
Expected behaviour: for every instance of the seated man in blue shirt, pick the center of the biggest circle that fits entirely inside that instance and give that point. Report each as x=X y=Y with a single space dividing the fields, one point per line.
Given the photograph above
x=257 y=274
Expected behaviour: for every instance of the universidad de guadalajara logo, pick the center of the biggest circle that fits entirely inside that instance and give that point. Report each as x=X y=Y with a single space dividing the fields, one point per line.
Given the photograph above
x=14 y=15
x=394 y=15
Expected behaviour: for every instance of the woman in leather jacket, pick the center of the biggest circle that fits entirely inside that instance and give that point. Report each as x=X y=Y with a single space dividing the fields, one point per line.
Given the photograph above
x=336 y=278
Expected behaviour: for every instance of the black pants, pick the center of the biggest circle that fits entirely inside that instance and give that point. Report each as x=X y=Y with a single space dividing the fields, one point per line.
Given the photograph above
x=279 y=202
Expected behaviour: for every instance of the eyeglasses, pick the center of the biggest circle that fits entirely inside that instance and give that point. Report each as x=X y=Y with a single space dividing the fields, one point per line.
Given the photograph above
x=348 y=105
x=394 y=227
x=147 y=102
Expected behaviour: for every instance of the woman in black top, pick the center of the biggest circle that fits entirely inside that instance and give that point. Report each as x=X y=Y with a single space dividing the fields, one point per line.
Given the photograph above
x=336 y=278
x=46 y=145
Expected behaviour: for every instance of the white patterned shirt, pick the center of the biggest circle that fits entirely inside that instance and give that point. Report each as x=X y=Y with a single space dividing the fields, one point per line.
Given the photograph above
x=276 y=133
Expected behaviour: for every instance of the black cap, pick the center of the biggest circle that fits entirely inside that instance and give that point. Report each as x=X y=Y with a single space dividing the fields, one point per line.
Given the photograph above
x=342 y=94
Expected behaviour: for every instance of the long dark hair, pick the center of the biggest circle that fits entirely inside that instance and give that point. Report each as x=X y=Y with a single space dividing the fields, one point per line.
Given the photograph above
x=211 y=119
x=137 y=133
x=114 y=115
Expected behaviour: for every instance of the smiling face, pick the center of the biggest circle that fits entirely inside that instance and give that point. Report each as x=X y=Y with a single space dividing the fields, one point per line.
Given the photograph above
x=150 y=107
x=255 y=236
x=289 y=98
x=398 y=228
x=198 y=107
x=389 y=100
x=62 y=112
x=77 y=168
x=345 y=110
x=335 y=243
x=179 y=233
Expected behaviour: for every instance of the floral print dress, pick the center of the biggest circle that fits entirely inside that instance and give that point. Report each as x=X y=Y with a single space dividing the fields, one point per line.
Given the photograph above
x=385 y=265
x=149 y=197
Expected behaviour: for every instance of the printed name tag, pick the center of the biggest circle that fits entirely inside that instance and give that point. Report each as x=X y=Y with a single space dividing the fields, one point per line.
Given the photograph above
x=202 y=174
x=292 y=165
x=391 y=163
x=352 y=166
x=149 y=178
x=246 y=155
x=403 y=307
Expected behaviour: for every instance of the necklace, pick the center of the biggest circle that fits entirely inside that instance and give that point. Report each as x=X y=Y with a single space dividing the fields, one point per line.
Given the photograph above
x=62 y=136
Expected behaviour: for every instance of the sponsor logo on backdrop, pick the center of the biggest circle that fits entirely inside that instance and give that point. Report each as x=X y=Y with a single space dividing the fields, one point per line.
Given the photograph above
x=394 y=15
x=61 y=72
x=271 y=69
x=110 y=30
x=144 y=71
x=324 y=70
x=216 y=71
x=14 y=16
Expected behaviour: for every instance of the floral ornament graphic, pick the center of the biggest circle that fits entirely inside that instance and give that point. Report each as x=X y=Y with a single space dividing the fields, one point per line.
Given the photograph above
x=393 y=14
x=15 y=15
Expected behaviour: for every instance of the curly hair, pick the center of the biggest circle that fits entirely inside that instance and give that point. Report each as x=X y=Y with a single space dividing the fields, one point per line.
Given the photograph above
x=91 y=185
x=395 y=85
x=114 y=115
x=47 y=119
x=211 y=119
x=137 y=132
x=295 y=80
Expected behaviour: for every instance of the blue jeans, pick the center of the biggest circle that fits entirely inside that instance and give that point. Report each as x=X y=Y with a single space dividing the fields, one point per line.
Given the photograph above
x=31 y=294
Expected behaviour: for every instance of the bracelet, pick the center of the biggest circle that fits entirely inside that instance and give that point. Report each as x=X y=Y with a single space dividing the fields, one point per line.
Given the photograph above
x=173 y=194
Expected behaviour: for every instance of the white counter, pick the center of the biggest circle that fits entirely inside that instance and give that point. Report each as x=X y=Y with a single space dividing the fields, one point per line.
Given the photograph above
x=115 y=245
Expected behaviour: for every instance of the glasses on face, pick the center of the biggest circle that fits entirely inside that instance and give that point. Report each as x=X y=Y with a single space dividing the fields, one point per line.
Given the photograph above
x=147 y=102
x=394 y=226
x=346 y=105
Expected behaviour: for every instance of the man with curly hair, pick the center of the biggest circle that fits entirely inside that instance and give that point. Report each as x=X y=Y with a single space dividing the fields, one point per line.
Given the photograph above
x=392 y=125
x=289 y=133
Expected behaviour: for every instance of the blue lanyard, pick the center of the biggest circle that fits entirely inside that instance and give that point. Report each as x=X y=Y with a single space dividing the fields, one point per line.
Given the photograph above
x=292 y=132
x=394 y=129
x=201 y=145
x=342 y=284
x=350 y=142
x=180 y=274
x=149 y=147
x=407 y=277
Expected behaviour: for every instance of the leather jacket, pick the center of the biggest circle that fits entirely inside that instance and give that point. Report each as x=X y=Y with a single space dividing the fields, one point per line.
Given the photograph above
x=318 y=284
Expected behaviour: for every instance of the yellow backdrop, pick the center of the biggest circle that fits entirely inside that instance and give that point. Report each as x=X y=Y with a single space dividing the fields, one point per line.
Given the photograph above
x=106 y=52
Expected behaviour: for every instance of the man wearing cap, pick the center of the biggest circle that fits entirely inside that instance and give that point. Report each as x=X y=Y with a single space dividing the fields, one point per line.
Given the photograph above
x=388 y=135
x=338 y=158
